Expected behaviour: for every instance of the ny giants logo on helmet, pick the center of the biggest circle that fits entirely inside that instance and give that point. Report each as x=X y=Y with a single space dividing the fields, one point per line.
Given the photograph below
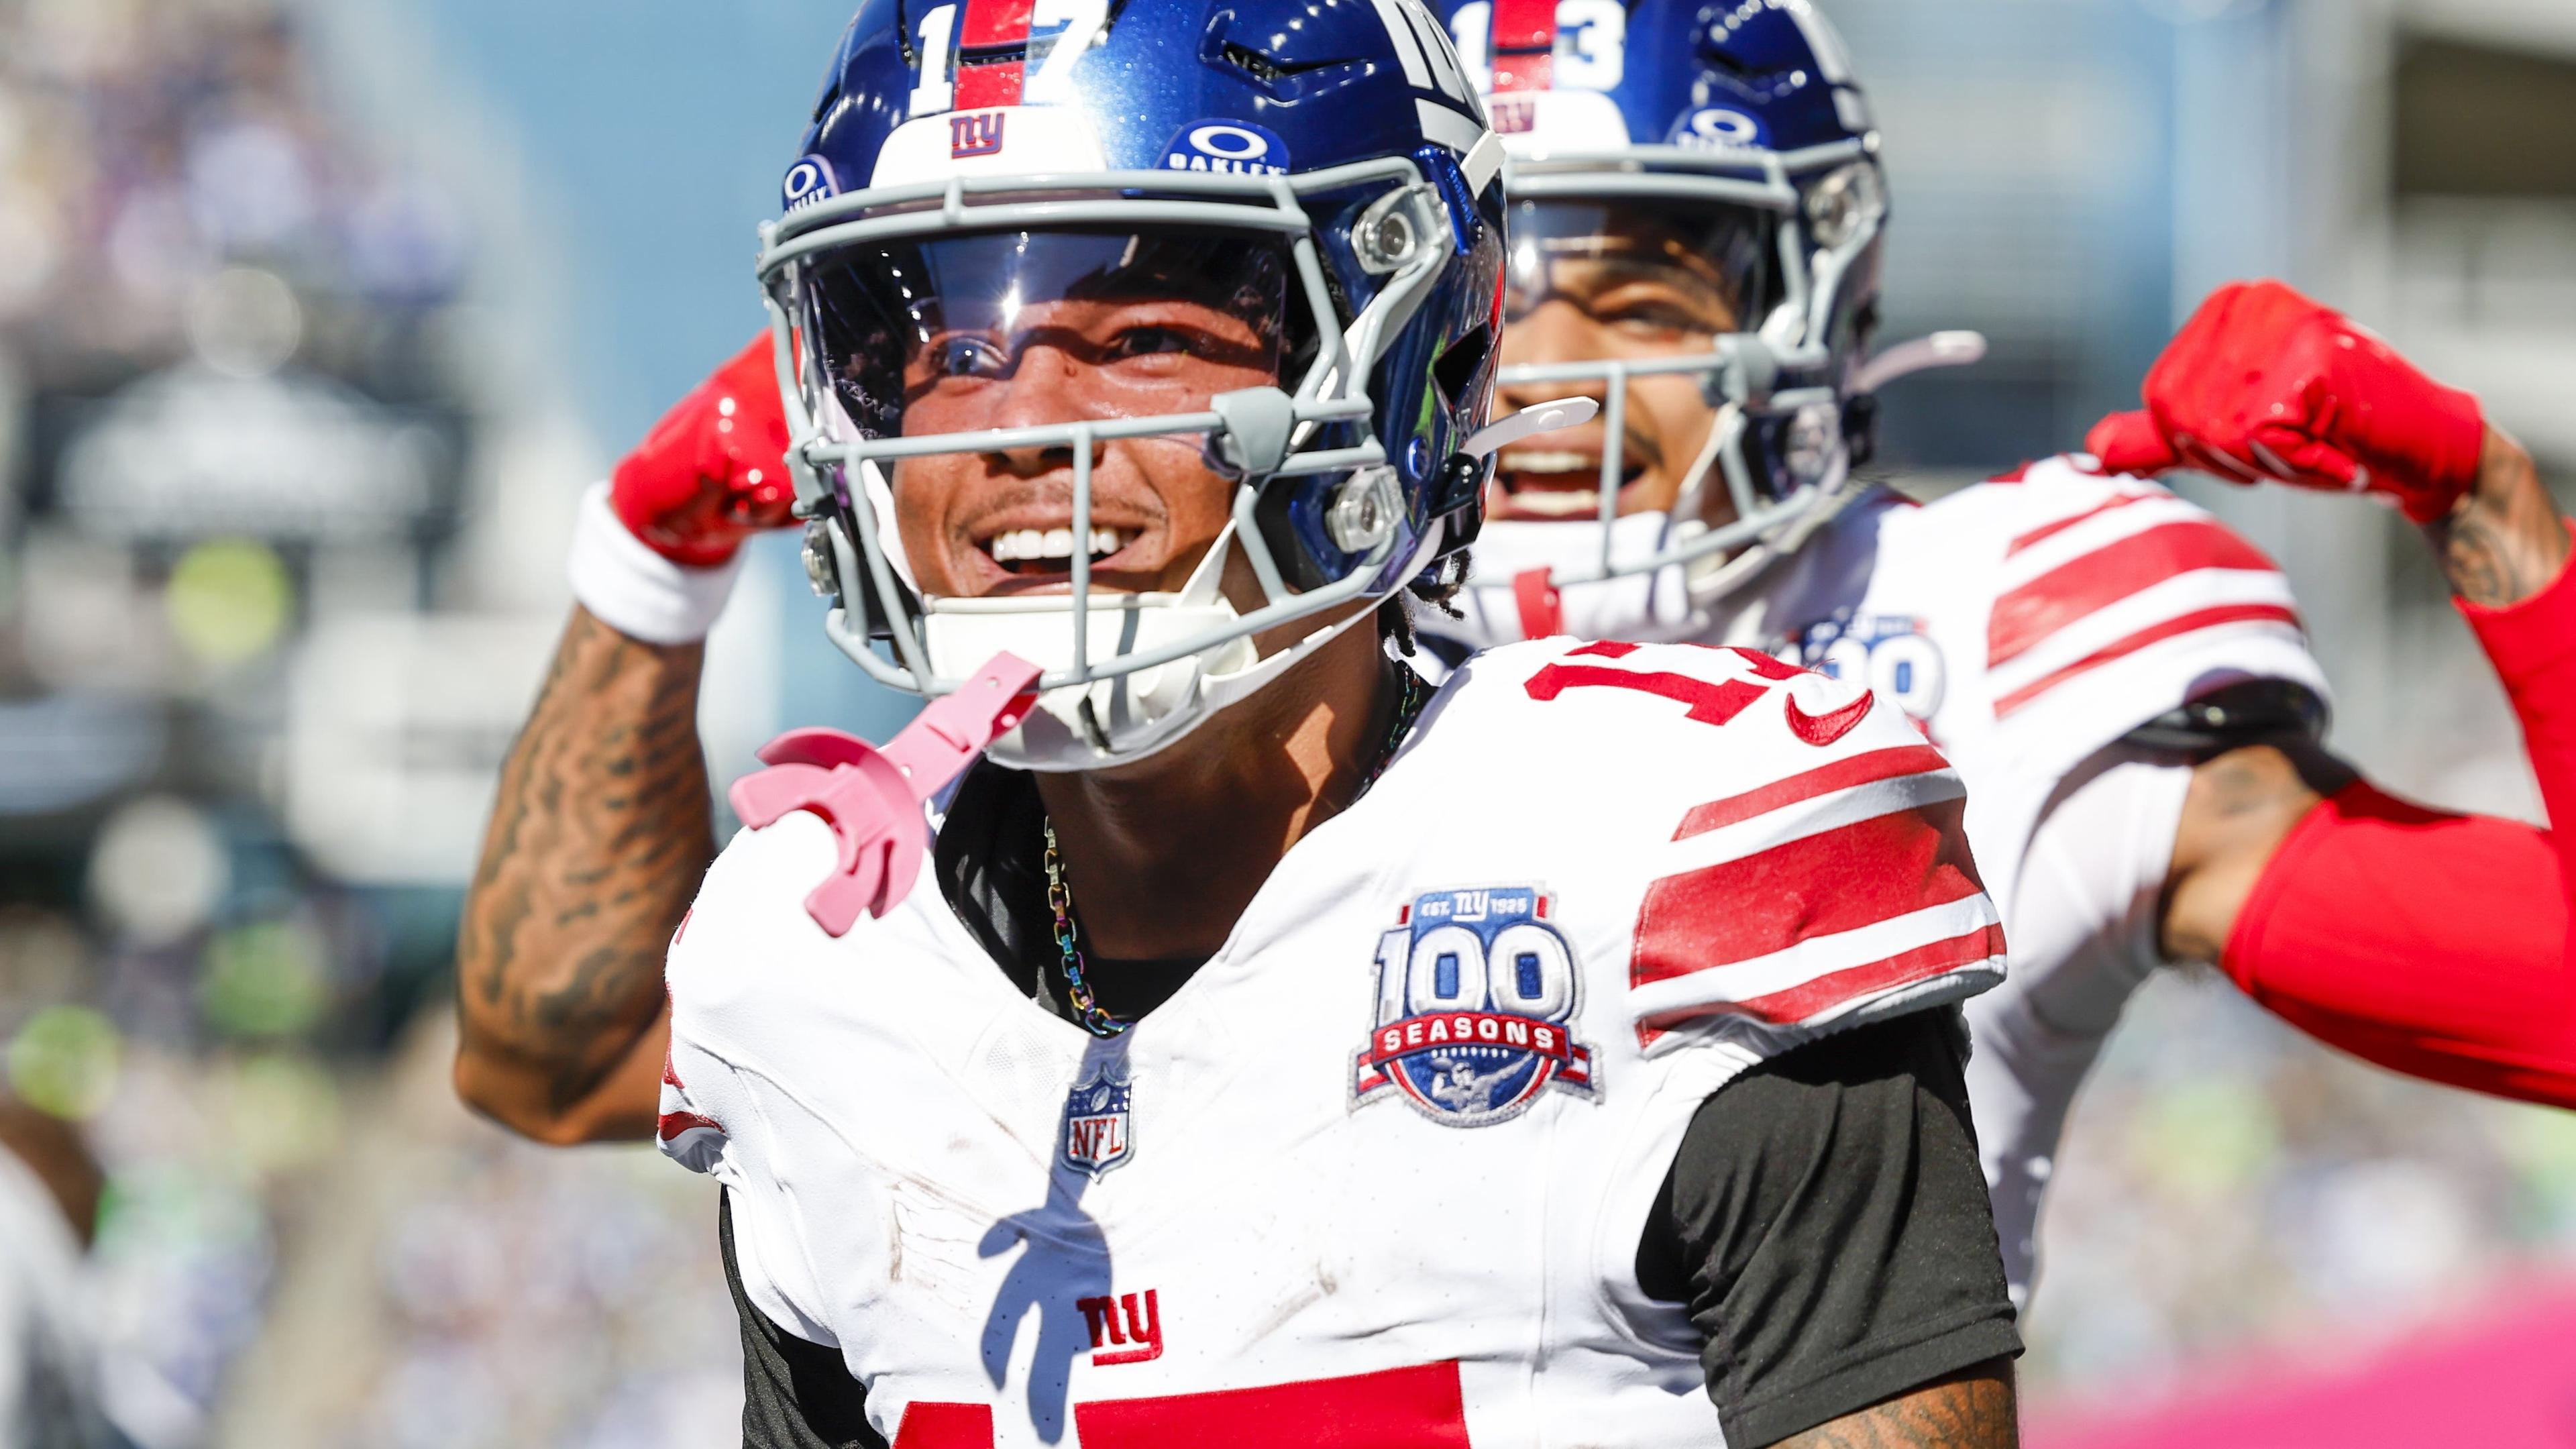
x=1475 y=990
x=975 y=133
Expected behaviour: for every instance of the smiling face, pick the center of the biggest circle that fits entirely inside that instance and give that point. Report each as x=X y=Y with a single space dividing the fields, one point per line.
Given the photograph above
x=1592 y=282
x=1020 y=330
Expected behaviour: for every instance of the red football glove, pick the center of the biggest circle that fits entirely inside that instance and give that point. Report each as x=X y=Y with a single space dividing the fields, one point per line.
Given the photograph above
x=712 y=472
x=2263 y=383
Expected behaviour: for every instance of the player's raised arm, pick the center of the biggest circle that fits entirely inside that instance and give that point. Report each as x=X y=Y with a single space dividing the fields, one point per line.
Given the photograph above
x=2424 y=940
x=602 y=826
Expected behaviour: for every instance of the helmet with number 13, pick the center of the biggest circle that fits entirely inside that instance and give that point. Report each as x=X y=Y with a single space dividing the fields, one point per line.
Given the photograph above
x=1696 y=210
x=1149 y=343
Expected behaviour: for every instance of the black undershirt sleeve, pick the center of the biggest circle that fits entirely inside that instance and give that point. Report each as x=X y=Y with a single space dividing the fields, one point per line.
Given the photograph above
x=1827 y=1225
x=796 y=1394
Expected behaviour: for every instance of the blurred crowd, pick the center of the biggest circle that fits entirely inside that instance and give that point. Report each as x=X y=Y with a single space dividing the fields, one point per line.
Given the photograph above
x=228 y=422
x=233 y=425
x=2227 y=1186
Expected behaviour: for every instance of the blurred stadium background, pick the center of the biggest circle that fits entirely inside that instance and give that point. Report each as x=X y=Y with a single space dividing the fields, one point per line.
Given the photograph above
x=315 y=315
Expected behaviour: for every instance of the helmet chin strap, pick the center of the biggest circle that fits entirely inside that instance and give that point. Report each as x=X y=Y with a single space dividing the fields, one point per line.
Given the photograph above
x=1130 y=716
x=1637 y=607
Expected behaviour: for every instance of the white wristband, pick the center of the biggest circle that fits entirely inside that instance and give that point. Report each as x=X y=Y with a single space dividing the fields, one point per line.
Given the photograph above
x=634 y=590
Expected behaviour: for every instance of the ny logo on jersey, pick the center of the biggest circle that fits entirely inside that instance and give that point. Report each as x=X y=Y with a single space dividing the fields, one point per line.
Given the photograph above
x=1140 y=1340
x=1097 y=1135
x=1474 y=991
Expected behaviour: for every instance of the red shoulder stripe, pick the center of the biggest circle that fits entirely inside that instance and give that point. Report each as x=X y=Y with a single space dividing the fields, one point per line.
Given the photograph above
x=2209 y=618
x=671 y=1124
x=1826 y=992
x=2109 y=574
x=1839 y=880
x=2051 y=530
x=1807 y=785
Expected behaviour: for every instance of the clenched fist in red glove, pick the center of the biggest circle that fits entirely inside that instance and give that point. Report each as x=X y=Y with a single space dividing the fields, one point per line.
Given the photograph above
x=2264 y=383
x=710 y=474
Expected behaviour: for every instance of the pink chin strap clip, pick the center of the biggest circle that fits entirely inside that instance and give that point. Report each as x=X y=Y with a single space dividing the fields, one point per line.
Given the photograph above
x=872 y=797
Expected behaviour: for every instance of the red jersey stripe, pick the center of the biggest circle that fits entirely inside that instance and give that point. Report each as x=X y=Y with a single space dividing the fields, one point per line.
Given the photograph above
x=2051 y=530
x=1807 y=785
x=2109 y=574
x=1837 y=880
x=945 y=1426
x=1421 y=1407
x=2208 y=618
x=1811 y=998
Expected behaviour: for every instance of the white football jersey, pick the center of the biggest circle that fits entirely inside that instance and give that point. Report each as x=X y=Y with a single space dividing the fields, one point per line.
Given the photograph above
x=2028 y=624
x=1377 y=1173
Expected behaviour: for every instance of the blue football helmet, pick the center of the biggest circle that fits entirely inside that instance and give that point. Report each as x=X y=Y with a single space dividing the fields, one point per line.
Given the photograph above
x=1313 y=180
x=1731 y=139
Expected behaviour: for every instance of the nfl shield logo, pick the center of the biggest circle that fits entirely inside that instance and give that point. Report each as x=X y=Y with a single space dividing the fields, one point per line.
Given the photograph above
x=1096 y=1132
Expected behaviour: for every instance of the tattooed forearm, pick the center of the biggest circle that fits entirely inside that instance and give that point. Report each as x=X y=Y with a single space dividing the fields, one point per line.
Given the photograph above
x=1970 y=1410
x=600 y=832
x=2505 y=540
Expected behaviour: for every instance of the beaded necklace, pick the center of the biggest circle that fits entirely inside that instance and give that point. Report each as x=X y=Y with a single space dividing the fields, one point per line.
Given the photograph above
x=1087 y=1011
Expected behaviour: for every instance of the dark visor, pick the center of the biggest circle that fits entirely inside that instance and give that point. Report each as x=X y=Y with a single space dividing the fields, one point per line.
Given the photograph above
x=1715 y=262
x=1144 y=319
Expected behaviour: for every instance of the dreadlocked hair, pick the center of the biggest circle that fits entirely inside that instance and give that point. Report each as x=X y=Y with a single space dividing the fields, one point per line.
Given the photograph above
x=1437 y=586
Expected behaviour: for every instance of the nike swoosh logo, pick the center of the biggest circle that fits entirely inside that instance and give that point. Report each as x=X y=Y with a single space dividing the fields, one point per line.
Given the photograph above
x=1824 y=729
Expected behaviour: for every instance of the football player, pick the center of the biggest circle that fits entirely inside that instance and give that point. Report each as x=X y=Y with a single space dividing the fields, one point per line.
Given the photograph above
x=1269 y=1049
x=1695 y=234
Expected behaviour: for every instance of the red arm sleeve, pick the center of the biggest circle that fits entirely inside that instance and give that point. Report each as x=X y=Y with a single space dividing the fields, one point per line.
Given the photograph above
x=2434 y=943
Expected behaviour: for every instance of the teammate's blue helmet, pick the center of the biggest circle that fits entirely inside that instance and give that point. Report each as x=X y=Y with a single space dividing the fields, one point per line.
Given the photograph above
x=1320 y=171
x=1736 y=135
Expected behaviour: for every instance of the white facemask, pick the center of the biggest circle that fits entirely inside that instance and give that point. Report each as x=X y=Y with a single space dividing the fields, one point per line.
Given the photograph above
x=1128 y=716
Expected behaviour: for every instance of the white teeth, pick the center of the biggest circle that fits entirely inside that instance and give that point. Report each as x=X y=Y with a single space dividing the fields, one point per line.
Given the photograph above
x=1052 y=543
x=1567 y=503
x=1550 y=462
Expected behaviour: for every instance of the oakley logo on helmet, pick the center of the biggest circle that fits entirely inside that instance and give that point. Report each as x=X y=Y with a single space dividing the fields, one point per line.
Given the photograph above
x=809 y=181
x=1227 y=146
x=975 y=133
x=1718 y=130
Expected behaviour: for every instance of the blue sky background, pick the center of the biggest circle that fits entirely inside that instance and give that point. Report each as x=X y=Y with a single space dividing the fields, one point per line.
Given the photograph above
x=654 y=131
